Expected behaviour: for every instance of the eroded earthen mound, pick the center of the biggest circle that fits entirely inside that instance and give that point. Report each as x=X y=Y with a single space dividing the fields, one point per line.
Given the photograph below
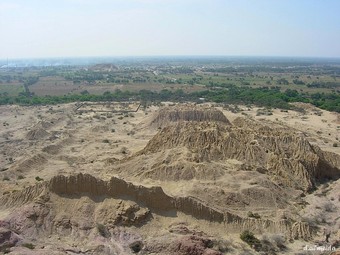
x=51 y=206
x=282 y=153
x=172 y=114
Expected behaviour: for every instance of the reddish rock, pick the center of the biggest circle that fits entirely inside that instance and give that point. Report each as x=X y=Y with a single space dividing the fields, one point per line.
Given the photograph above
x=193 y=245
x=8 y=238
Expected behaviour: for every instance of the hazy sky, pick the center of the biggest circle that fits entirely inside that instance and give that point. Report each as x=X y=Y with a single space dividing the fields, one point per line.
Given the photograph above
x=61 y=28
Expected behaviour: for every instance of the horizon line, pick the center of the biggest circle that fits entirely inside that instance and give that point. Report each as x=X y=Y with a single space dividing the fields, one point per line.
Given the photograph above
x=169 y=56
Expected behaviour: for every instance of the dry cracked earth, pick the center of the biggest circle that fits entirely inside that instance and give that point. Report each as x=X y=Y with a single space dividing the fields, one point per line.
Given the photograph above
x=168 y=179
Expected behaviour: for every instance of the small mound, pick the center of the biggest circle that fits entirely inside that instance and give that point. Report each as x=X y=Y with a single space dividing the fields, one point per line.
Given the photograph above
x=173 y=114
x=52 y=149
x=100 y=129
x=36 y=162
x=37 y=134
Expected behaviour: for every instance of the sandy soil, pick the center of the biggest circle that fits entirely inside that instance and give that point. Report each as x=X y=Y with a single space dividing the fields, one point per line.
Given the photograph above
x=321 y=127
x=40 y=142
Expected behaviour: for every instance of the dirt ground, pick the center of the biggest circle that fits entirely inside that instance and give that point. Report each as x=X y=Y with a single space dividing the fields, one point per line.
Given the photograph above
x=39 y=142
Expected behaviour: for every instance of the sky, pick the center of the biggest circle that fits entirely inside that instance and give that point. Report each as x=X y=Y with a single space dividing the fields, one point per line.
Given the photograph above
x=84 y=28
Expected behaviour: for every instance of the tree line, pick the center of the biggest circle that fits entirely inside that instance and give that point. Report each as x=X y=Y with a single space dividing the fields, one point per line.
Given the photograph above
x=264 y=97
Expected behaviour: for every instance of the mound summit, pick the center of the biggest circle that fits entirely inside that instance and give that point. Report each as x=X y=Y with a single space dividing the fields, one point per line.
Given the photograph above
x=173 y=114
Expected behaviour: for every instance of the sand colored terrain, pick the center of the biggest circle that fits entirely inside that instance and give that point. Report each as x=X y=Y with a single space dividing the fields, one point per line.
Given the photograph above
x=167 y=180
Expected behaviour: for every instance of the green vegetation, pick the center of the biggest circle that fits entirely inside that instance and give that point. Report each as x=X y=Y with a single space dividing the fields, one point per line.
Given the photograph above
x=29 y=246
x=21 y=177
x=136 y=246
x=37 y=178
x=253 y=215
x=264 y=97
x=270 y=83
x=249 y=238
x=11 y=89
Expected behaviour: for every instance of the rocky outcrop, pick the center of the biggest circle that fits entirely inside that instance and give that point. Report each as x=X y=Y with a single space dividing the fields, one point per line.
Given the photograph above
x=183 y=240
x=192 y=244
x=172 y=114
x=8 y=239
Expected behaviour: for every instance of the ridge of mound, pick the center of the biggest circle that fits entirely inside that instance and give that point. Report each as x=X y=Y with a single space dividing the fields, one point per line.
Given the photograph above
x=285 y=155
x=172 y=114
x=154 y=198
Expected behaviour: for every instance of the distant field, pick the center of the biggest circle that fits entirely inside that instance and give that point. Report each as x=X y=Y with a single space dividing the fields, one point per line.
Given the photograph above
x=54 y=86
x=260 y=82
x=158 y=87
x=58 y=86
x=11 y=89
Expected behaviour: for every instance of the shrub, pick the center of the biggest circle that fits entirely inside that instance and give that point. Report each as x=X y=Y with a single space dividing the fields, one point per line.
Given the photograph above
x=38 y=179
x=273 y=243
x=6 y=250
x=29 y=246
x=279 y=241
x=335 y=144
x=102 y=230
x=20 y=177
x=223 y=245
x=329 y=207
x=254 y=215
x=6 y=178
x=124 y=150
x=136 y=246
x=249 y=238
